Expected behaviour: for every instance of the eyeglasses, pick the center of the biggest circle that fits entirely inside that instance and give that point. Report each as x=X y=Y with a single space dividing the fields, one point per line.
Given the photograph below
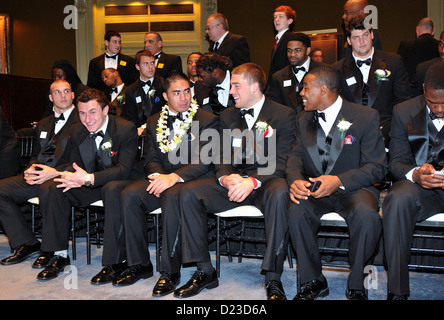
x=209 y=28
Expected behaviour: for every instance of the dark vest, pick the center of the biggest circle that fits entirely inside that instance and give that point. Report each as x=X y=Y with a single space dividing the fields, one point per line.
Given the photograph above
x=435 y=154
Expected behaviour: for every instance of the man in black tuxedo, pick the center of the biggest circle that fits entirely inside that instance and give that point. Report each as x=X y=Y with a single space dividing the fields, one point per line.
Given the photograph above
x=116 y=90
x=283 y=20
x=340 y=145
x=257 y=135
x=424 y=47
x=416 y=161
x=112 y=58
x=52 y=134
x=287 y=83
x=225 y=43
x=9 y=148
x=213 y=91
x=166 y=64
x=144 y=97
x=422 y=68
x=102 y=150
x=192 y=59
x=167 y=168
x=370 y=77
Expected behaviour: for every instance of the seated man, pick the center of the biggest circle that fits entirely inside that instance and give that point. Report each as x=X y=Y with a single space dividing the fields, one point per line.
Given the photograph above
x=250 y=171
x=103 y=152
x=52 y=134
x=338 y=144
x=116 y=90
x=416 y=162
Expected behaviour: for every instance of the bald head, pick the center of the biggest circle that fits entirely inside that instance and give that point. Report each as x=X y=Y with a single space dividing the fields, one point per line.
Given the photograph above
x=352 y=8
x=425 y=25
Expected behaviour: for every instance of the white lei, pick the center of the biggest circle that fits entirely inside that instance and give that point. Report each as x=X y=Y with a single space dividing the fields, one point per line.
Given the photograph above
x=166 y=145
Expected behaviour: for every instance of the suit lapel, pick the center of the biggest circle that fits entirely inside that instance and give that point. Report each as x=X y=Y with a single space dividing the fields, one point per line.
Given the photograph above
x=337 y=142
x=309 y=135
x=418 y=136
x=377 y=63
x=351 y=72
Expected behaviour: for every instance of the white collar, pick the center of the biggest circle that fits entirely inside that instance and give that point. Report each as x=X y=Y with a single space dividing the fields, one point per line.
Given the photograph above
x=279 y=35
x=222 y=38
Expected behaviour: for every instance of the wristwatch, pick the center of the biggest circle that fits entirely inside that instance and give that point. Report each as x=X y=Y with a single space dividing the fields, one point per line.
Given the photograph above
x=88 y=180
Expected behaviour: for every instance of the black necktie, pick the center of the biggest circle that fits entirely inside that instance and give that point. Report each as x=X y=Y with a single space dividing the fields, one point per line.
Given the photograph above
x=216 y=46
x=318 y=115
x=297 y=69
x=366 y=61
x=110 y=57
x=94 y=135
x=243 y=112
x=157 y=55
x=61 y=118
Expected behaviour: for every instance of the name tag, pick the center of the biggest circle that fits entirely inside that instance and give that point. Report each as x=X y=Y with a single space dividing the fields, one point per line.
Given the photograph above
x=206 y=101
x=138 y=99
x=287 y=83
x=43 y=135
x=160 y=66
x=122 y=63
x=237 y=143
x=351 y=81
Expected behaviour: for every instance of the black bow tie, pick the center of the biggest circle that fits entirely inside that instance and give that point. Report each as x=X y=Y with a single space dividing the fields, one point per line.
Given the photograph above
x=94 y=135
x=243 y=112
x=111 y=57
x=297 y=69
x=173 y=118
x=433 y=116
x=57 y=119
x=145 y=83
x=113 y=90
x=366 y=61
x=318 y=115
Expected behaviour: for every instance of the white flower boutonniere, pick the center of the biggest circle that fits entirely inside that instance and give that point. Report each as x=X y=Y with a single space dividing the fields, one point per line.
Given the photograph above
x=382 y=75
x=106 y=146
x=343 y=126
x=152 y=92
x=264 y=127
x=121 y=100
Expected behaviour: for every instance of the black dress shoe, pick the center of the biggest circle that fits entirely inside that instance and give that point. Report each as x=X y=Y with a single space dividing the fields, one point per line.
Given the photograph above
x=133 y=274
x=199 y=281
x=356 y=295
x=21 y=254
x=43 y=260
x=312 y=290
x=275 y=291
x=54 y=267
x=166 y=284
x=109 y=273
x=391 y=296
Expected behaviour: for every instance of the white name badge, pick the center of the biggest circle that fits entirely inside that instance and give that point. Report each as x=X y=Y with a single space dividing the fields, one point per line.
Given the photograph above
x=206 y=101
x=287 y=83
x=351 y=81
x=43 y=135
x=237 y=143
x=138 y=99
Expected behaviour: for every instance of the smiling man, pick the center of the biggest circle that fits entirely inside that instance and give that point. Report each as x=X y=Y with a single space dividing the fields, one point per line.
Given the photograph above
x=103 y=153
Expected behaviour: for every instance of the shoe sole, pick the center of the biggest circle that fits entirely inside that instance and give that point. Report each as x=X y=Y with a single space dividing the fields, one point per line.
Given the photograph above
x=145 y=276
x=323 y=293
x=210 y=285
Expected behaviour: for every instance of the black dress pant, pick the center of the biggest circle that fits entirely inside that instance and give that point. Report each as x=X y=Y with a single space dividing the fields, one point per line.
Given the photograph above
x=405 y=204
x=360 y=211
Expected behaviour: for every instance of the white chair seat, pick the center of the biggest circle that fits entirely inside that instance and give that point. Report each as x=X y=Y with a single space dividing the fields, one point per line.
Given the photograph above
x=34 y=200
x=332 y=216
x=242 y=211
x=156 y=211
x=439 y=217
x=98 y=203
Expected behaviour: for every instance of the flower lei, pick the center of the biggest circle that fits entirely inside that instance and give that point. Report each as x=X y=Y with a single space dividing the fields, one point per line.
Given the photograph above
x=166 y=145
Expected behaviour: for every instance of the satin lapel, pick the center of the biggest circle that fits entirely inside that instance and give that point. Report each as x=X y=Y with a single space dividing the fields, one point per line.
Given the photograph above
x=310 y=136
x=87 y=153
x=418 y=136
x=64 y=135
x=337 y=142
x=377 y=63
x=291 y=90
x=110 y=135
x=351 y=71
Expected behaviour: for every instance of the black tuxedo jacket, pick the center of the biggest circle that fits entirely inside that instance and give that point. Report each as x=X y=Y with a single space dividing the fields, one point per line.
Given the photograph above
x=121 y=162
x=258 y=154
x=415 y=51
x=44 y=134
x=116 y=105
x=383 y=95
x=358 y=159
x=167 y=64
x=126 y=66
x=9 y=148
x=158 y=162
x=283 y=87
x=202 y=96
x=409 y=137
x=138 y=107
x=421 y=70
x=279 y=59
x=235 y=47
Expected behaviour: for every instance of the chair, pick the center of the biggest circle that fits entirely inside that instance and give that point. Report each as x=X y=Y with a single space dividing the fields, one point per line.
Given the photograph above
x=242 y=214
x=33 y=202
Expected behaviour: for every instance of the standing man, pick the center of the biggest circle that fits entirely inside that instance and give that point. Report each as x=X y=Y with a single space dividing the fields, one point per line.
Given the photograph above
x=287 y=83
x=250 y=172
x=116 y=90
x=370 y=77
x=103 y=153
x=112 y=58
x=283 y=20
x=52 y=134
x=144 y=97
x=225 y=43
x=166 y=64
x=416 y=162
x=338 y=144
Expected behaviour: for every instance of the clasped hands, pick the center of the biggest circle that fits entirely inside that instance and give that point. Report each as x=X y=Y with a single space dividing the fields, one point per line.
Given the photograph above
x=426 y=177
x=160 y=182
x=239 y=188
x=300 y=189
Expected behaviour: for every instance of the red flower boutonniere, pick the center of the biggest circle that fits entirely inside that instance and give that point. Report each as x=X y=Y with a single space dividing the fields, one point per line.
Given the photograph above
x=113 y=153
x=349 y=139
x=264 y=127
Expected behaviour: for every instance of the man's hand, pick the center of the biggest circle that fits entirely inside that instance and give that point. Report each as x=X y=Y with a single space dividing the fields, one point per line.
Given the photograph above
x=238 y=192
x=160 y=182
x=426 y=177
x=70 y=180
x=39 y=173
x=300 y=189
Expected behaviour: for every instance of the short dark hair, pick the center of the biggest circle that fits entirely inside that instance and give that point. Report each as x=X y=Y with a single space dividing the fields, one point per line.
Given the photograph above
x=93 y=94
x=210 y=61
x=142 y=53
x=174 y=76
x=301 y=37
x=434 y=77
x=356 y=23
x=110 y=34
x=326 y=76
x=253 y=73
